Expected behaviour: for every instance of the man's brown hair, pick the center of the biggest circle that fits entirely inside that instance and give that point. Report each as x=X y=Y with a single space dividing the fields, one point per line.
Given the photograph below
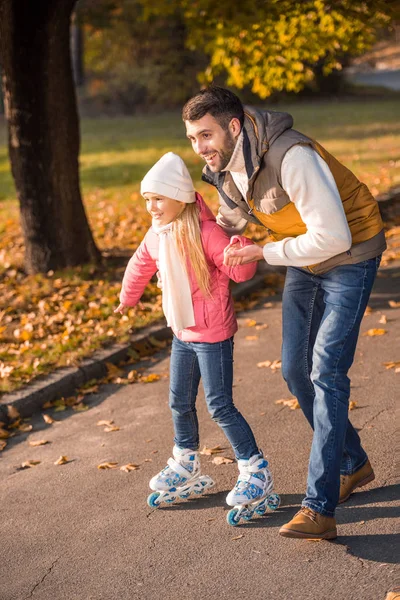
x=220 y=103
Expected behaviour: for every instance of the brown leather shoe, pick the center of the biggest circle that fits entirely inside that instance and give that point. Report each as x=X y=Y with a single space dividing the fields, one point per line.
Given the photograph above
x=348 y=483
x=310 y=525
x=395 y=595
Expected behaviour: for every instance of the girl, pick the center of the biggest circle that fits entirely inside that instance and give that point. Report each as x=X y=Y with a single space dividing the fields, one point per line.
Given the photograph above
x=186 y=246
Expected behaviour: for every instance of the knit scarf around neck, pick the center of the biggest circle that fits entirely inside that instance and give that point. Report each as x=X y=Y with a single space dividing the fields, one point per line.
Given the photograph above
x=176 y=293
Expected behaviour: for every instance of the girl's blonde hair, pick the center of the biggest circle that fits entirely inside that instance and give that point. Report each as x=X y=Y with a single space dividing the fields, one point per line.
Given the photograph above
x=187 y=236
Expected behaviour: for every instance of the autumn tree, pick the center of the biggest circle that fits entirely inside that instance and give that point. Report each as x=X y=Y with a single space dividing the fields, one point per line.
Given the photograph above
x=43 y=132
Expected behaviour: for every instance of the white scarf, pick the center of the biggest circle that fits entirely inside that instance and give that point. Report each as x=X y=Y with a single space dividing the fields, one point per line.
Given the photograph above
x=176 y=293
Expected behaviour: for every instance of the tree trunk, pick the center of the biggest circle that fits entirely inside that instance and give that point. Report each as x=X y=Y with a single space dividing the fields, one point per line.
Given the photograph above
x=43 y=127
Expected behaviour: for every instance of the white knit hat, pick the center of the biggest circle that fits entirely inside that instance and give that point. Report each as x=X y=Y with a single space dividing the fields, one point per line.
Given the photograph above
x=169 y=177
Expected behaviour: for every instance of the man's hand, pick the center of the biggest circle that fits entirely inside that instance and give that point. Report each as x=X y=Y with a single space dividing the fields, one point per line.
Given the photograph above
x=121 y=309
x=248 y=254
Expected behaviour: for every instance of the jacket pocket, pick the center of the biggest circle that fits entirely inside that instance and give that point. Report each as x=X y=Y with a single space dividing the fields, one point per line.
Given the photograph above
x=200 y=313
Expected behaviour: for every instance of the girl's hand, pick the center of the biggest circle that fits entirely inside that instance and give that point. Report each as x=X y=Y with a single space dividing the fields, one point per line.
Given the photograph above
x=229 y=259
x=121 y=309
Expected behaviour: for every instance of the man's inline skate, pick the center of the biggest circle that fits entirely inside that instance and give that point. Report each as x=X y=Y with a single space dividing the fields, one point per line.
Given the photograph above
x=178 y=479
x=252 y=492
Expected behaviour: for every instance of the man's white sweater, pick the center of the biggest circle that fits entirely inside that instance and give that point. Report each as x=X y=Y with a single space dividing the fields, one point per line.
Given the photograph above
x=310 y=185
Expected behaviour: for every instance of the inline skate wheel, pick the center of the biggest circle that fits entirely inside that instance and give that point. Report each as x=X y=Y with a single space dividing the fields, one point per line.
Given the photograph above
x=184 y=496
x=232 y=518
x=273 y=501
x=152 y=500
x=260 y=510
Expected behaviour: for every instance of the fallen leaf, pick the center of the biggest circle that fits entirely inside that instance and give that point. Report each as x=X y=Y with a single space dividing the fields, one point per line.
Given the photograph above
x=394 y=304
x=4 y=434
x=154 y=451
x=35 y=443
x=80 y=407
x=157 y=343
x=149 y=440
x=265 y=363
x=129 y=467
x=368 y=311
x=210 y=451
x=268 y=305
x=222 y=460
x=292 y=403
x=3 y=444
x=251 y=322
x=113 y=371
x=373 y=332
x=352 y=404
x=276 y=364
x=49 y=420
x=150 y=378
x=148 y=460
x=238 y=537
x=251 y=338
x=110 y=428
x=13 y=413
x=392 y=364
x=107 y=465
x=383 y=320
x=107 y=423
x=62 y=460
x=260 y=327
x=24 y=427
x=211 y=519
x=48 y=404
x=30 y=463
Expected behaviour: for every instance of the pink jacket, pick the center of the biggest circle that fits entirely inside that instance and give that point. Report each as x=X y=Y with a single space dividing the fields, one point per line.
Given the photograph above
x=215 y=316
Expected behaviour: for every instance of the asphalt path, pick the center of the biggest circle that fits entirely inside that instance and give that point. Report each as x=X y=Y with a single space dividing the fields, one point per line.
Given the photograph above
x=75 y=532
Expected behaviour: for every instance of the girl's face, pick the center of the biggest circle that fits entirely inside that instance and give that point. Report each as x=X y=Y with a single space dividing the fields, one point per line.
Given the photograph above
x=163 y=210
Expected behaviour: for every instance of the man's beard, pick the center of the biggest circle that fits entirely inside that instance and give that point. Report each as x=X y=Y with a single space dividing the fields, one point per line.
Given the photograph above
x=225 y=154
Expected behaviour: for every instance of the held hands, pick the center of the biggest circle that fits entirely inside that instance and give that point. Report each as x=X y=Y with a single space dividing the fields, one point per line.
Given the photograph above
x=235 y=255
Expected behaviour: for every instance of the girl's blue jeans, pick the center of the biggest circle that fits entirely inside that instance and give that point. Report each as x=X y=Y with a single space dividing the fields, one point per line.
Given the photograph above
x=213 y=363
x=321 y=322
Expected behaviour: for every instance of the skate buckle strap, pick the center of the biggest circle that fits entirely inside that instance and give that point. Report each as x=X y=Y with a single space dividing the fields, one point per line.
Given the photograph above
x=179 y=468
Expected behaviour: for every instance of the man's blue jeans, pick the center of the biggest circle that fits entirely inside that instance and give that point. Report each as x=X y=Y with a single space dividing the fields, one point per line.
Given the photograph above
x=213 y=363
x=321 y=322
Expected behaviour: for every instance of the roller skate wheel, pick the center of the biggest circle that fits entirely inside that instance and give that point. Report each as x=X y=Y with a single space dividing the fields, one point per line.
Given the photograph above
x=232 y=518
x=273 y=501
x=260 y=510
x=184 y=496
x=152 y=500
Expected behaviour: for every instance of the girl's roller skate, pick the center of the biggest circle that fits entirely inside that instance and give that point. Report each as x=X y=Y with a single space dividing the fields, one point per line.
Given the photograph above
x=252 y=492
x=178 y=479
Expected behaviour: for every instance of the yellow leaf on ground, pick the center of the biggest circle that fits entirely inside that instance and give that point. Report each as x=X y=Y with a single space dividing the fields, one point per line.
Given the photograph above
x=276 y=364
x=25 y=427
x=392 y=364
x=352 y=404
x=383 y=320
x=262 y=326
x=89 y=390
x=368 y=311
x=35 y=443
x=150 y=378
x=394 y=304
x=251 y=338
x=60 y=408
x=373 y=332
x=111 y=428
x=48 y=404
x=107 y=465
x=268 y=305
x=62 y=460
x=3 y=444
x=210 y=451
x=265 y=363
x=292 y=403
x=30 y=463
x=4 y=434
x=80 y=407
x=49 y=420
x=129 y=467
x=222 y=460
x=12 y=412
x=113 y=371
x=106 y=423
x=251 y=322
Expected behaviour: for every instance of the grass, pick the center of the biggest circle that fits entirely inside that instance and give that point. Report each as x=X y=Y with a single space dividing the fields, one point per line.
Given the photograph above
x=55 y=320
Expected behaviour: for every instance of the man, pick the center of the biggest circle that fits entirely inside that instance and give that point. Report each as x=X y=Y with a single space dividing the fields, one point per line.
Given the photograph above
x=329 y=233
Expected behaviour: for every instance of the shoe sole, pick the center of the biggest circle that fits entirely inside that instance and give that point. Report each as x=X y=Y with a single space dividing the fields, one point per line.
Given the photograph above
x=331 y=534
x=360 y=484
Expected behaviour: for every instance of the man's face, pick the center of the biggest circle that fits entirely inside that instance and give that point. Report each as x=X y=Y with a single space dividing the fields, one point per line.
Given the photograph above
x=213 y=143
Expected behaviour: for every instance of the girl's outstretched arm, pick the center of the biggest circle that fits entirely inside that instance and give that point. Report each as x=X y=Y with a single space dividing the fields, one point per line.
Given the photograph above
x=218 y=241
x=139 y=271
